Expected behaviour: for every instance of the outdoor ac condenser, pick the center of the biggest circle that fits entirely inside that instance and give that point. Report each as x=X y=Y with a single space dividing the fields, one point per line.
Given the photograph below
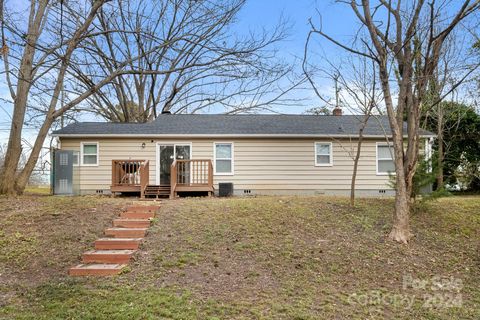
x=225 y=189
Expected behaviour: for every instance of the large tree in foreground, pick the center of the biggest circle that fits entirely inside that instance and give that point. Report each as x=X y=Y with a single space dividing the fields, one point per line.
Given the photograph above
x=33 y=55
x=405 y=39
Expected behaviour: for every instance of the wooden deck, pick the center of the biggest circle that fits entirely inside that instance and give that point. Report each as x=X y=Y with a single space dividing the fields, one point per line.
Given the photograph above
x=195 y=175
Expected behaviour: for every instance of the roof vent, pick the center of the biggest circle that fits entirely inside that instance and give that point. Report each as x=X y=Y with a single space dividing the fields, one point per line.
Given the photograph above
x=337 y=111
x=166 y=112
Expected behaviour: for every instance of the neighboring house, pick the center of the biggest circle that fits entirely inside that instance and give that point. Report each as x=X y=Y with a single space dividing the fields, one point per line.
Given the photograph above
x=259 y=154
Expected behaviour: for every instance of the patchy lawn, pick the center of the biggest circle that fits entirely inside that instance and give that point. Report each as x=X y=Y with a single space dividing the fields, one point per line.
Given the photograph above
x=244 y=258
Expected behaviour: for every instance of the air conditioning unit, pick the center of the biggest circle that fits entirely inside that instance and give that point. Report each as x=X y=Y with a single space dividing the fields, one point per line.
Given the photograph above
x=225 y=189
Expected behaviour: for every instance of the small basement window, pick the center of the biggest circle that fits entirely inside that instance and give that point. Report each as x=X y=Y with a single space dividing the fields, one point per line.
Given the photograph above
x=89 y=153
x=323 y=154
x=385 y=163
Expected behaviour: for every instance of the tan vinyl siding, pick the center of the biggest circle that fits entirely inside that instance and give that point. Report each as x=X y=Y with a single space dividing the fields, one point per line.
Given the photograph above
x=100 y=177
x=259 y=164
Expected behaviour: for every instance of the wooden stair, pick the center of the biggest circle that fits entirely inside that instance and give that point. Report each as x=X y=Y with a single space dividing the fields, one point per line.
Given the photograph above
x=118 y=243
x=102 y=269
x=113 y=253
x=157 y=191
x=126 y=232
x=108 y=256
x=131 y=223
x=137 y=215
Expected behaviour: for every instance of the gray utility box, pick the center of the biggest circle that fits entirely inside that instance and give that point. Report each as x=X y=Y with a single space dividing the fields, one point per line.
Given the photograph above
x=225 y=189
x=63 y=172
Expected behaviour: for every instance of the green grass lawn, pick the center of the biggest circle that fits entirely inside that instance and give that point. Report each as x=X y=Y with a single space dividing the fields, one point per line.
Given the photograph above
x=244 y=258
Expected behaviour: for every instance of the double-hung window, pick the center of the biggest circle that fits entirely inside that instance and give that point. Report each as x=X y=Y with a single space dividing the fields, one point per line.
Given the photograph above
x=323 y=154
x=89 y=153
x=223 y=161
x=385 y=157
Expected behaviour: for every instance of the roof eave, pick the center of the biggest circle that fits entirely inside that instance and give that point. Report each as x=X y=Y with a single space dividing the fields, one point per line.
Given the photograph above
x=146 y=135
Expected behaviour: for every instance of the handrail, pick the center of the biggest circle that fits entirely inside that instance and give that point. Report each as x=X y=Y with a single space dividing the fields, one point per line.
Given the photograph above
x=210 y=174
x=144 y=177
x=173 y=178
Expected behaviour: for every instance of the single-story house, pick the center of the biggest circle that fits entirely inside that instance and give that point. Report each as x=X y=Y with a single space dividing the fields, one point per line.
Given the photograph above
x=243 y=154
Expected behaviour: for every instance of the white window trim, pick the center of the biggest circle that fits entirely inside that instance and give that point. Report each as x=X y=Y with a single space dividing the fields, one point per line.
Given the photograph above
x=379 y=144
x=330 y=164
x=231 y=159
x=81 y=154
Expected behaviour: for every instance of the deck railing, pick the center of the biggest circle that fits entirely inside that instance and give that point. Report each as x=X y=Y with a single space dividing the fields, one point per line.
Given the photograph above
x=129 y=172
x=144 y=177
x=191 y=174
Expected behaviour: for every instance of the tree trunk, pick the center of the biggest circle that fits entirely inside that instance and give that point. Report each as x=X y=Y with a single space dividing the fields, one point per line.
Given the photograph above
x=440 y=148
x=23 y=177
x=9 y=169
x=8 y=184
x=355 y=164
x=401 y=225
x=14 y=148
x=401 y=228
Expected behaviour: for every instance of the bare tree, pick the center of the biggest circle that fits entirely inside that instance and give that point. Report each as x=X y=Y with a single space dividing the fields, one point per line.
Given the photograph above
x=38 y=59
x=363 y=92
x=51 y=64
x=213 y=67
x=356 y=90
x=457 y=66
x=405 y=40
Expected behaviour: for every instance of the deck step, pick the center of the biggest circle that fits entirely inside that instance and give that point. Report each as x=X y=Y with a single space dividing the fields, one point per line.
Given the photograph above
x=132 y=223
x=100 y=269
x=154 y=190
x=117 y=243
x=107 y=256
x=151 y=209
x=158 y=187
x=125 y=232
x=136 y=215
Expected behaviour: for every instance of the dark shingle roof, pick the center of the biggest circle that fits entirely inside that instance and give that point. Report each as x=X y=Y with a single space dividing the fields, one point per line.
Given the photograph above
x=256 y=124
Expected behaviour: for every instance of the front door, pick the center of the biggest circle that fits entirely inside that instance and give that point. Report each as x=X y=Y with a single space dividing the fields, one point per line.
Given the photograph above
x=166 y=154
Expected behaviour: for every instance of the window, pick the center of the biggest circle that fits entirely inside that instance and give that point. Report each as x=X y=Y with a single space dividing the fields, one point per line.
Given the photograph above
x=323 y=154
x=223 y=158
x=385 y=164
x=89 y=153
x=76 y=156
